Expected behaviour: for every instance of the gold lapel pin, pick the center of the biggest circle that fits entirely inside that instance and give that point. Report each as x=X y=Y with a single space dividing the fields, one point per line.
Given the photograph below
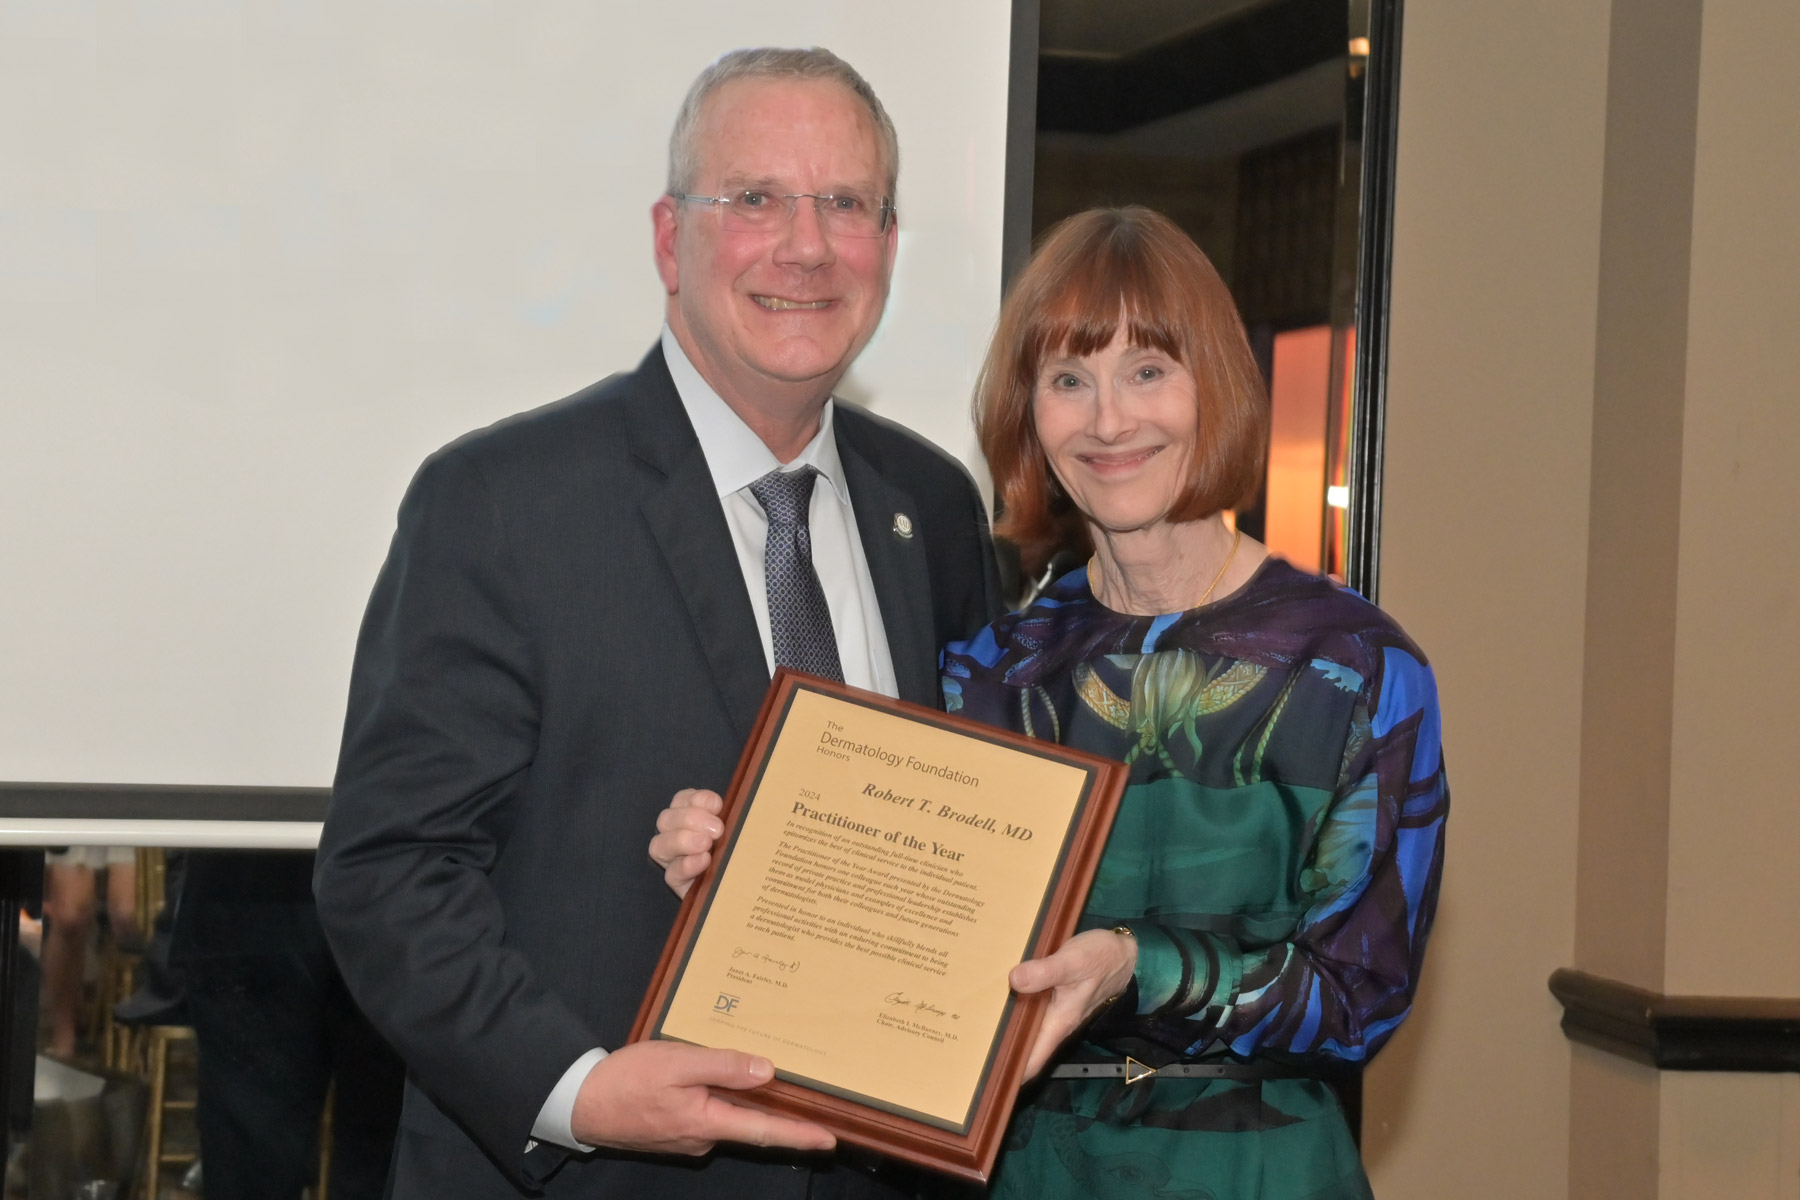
x=902 y=526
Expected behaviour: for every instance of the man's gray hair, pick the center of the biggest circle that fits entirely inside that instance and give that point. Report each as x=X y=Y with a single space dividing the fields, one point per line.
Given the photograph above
x=771 y=62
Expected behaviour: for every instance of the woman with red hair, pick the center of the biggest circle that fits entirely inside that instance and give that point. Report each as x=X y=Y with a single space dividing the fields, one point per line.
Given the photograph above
x=1258 y=919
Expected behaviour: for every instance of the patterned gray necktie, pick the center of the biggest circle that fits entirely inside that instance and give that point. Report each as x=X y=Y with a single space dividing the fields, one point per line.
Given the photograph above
x=799 y=620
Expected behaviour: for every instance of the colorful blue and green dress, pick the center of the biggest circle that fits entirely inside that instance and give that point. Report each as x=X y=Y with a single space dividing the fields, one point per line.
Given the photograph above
x=1276 y=855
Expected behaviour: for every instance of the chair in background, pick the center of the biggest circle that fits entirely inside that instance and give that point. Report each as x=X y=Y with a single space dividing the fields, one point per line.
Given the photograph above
x=157 y=1042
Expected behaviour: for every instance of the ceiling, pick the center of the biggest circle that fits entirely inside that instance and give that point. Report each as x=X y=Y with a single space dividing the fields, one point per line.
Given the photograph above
x=1190 y=77
x=1275 y=112
x=1117 y=27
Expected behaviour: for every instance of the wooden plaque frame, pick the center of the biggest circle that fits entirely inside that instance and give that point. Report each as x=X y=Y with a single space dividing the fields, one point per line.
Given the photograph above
x=969 y=1154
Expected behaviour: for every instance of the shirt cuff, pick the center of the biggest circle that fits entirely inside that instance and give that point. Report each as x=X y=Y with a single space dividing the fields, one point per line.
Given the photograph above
x=556 y=1120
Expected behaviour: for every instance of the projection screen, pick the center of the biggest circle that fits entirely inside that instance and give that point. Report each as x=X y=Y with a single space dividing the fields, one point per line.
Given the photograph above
x=258 y=259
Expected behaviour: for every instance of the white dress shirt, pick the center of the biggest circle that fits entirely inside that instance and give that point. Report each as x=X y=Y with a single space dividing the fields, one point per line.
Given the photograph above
x=737 y=458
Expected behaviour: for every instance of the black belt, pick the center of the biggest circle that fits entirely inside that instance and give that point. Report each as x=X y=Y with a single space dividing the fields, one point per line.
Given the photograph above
x=1132 y=1071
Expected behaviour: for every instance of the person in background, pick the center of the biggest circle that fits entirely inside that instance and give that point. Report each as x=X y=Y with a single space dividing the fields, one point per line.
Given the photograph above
x=71 y=884
x=1260 y=913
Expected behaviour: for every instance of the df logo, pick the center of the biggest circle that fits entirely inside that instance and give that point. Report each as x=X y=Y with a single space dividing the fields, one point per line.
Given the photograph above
x=725 y=1003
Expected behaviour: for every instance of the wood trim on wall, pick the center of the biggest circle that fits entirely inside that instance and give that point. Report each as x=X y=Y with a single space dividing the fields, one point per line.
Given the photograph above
x=1679 y=1033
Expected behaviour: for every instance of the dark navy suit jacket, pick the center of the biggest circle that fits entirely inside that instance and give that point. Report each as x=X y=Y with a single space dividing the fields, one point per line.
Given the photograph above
x=560 y=640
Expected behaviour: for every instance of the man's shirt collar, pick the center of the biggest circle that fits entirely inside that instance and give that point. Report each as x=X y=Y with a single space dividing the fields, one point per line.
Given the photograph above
x=734 y=454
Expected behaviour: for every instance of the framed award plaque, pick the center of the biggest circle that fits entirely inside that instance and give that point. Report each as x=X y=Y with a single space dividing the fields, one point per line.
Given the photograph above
x=883 y=868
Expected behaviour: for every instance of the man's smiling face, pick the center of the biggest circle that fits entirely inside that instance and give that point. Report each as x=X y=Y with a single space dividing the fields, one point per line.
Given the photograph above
x=777 y=313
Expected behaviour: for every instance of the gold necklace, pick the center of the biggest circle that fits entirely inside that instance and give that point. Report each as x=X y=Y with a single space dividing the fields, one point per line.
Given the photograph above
x=1237 y=536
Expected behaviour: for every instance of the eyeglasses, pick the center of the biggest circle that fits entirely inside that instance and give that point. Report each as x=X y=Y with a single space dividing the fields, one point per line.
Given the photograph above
x=756 y=210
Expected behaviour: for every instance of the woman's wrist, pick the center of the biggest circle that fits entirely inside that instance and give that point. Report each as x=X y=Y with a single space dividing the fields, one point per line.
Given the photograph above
x=1127 y=968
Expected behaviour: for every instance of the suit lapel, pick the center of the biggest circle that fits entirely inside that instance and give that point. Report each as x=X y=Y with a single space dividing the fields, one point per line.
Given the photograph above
x=898 y=568
x=682 y=510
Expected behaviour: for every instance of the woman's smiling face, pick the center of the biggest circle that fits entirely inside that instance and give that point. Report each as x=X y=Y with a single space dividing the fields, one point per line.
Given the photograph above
x=1119 y=427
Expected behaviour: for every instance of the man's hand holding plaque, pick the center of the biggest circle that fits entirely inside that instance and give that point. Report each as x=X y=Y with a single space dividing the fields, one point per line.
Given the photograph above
x=657 y=1098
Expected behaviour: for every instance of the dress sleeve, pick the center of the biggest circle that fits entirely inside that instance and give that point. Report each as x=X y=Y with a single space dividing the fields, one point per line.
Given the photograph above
x=1345 y=980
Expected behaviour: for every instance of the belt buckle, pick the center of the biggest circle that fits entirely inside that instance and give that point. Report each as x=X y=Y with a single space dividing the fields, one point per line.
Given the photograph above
x=1136 y=1072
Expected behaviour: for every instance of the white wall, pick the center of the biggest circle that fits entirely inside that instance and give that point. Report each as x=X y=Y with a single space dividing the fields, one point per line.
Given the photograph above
x=258 y=258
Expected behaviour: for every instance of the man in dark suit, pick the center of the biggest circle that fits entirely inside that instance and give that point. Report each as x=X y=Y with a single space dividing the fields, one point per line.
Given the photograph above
x=579 y=616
